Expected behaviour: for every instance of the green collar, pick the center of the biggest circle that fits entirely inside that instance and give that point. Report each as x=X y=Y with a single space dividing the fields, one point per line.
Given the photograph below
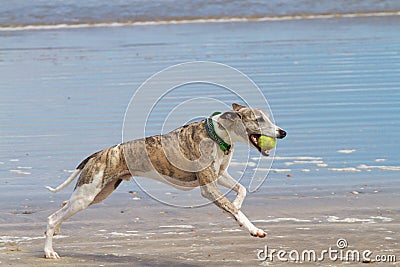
x=213 y=135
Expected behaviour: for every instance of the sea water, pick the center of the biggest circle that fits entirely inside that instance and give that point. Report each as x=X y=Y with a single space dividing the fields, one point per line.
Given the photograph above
x=68 y=73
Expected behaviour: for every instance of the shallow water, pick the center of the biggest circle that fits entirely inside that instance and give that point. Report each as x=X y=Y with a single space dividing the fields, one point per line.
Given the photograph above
x=333 y=85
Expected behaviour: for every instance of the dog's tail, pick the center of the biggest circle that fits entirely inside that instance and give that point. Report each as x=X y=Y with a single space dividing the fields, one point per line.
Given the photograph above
x=73 y=176
x=66 y=182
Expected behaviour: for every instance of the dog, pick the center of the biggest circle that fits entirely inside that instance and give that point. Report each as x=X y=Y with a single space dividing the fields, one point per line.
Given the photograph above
x=204 y=148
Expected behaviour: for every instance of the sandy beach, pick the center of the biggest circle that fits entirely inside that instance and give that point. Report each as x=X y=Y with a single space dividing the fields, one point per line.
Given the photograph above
x=123 y=231
x=333 y=84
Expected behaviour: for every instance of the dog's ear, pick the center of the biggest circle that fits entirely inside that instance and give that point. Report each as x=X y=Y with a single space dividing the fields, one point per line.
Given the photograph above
x=237 y=107
x=231 y=116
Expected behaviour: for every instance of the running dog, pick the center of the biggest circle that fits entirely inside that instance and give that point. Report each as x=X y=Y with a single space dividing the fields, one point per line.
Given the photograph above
x=197 y=154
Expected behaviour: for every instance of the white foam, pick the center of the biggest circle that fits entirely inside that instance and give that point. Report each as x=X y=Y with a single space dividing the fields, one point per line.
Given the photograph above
x=272 y=170
x=322 y=165
x=174 y=233
x=308 y=162
x=184 y=226
x=383 y=219
x=231 y=230
x=19 y=172
x=348 y=169
x=262 y=169
x=335 y=219
x=380 y=160
x=282 y=220
x=371 y=219
x=346 y=151
x=249 y=163
x=122 y=234
x=13 y=239
x=386 y=168
x=298 y=158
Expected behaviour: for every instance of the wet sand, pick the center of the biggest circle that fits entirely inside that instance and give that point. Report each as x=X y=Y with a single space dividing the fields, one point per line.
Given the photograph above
x=123 y=231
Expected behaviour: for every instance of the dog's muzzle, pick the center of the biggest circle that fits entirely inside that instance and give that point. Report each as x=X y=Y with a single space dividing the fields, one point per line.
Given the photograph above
x=281 y=134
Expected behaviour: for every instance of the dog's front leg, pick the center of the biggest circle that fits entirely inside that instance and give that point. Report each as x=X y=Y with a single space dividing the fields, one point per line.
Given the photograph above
x=209 y=190
x=227 y=181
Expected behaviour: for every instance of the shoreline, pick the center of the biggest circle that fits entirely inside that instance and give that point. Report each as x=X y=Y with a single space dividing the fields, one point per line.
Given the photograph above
x=183 y=21
x=295 y=17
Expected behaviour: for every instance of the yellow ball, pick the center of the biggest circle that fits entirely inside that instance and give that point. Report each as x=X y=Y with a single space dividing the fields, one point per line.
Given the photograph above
x=266 y=142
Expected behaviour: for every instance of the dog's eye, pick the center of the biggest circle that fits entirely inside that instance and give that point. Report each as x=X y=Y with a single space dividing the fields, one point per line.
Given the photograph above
x=261 y=119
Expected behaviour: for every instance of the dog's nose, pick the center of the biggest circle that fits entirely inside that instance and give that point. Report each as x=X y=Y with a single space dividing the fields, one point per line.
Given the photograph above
x=282 y=134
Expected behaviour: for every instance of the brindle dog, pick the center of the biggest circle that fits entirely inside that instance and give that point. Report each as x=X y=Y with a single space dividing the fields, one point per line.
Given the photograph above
x=184 y=158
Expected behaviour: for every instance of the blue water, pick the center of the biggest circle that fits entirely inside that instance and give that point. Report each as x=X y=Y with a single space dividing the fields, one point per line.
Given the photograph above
x=332 y=84
x=74 y=12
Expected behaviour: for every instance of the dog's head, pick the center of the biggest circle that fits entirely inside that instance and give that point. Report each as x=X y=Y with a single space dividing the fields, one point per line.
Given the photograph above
x=246 y=125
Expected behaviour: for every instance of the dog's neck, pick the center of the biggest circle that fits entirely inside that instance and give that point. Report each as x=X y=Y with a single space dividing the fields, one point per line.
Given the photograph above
x=221 y=131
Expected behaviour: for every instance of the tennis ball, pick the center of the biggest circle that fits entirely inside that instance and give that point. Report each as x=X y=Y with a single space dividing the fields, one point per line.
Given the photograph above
x=266 y=142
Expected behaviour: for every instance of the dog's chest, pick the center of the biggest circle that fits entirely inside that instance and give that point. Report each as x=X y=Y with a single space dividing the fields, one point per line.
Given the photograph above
x=222 y=164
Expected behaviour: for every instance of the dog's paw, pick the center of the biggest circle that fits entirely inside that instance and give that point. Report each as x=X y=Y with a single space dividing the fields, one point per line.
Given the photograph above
x=51 y=254
x=258 y=233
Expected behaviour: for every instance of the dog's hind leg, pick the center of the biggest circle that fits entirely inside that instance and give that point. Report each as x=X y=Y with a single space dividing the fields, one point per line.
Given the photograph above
x=74 y=205
x=57 y=229
x=81 y=198
x=229 y=182
x=209 y=190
